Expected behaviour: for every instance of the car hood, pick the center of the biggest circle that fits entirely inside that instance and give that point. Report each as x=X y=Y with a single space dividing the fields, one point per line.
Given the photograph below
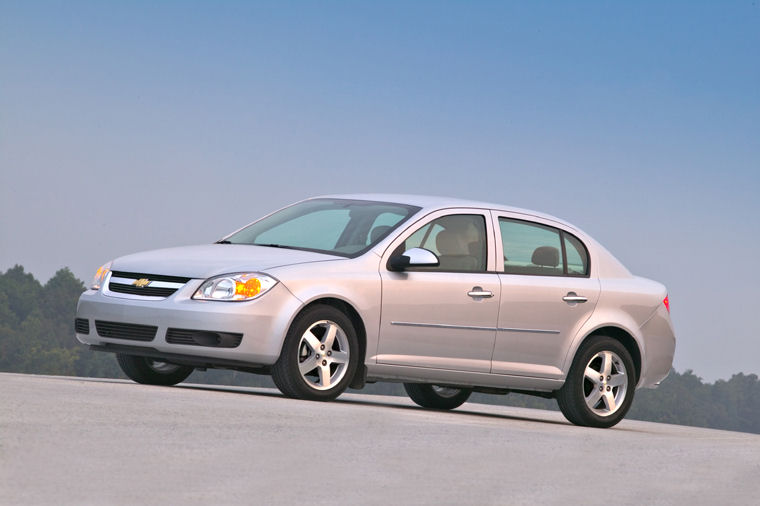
x=208 y=260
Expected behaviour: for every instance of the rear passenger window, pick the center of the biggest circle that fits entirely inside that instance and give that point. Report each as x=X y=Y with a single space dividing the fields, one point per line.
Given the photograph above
x=530 y=248
x=577 y=257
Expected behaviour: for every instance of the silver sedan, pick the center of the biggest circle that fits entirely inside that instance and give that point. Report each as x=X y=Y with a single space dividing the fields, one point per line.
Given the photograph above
x=449 y=297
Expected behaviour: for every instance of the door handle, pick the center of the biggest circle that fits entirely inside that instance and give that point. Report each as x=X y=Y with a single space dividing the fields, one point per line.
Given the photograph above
x=479 y=292
x=573 y=297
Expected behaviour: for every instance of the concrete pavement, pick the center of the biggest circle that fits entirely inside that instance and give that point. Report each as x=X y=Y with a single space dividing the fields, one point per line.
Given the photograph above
x=90 y=441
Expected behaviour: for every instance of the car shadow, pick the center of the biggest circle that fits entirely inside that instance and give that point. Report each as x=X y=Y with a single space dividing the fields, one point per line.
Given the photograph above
x=268 y=392
x=463 y=411
x=257 y=391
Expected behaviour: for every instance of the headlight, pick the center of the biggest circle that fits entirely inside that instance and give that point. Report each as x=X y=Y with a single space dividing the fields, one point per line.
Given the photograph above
x=235 y=287
x=100 y=276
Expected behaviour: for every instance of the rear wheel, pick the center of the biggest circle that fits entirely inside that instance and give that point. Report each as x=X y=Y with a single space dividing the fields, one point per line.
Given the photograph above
x=598 y=390
x=150 y=371
x=437 y=397
x=319 y=356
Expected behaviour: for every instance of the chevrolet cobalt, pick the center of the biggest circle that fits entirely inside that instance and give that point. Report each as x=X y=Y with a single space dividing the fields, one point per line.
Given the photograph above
x=447 y=296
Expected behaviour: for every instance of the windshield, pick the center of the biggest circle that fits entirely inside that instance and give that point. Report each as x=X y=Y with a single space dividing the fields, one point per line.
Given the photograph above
x=336 y=226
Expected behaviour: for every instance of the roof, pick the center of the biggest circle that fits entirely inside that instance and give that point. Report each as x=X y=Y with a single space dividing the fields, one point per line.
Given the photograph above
x=432 y=203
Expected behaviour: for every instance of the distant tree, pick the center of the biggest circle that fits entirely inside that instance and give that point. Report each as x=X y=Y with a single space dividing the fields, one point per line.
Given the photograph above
x=22 y=292
x=684 y=399
x=37 y=327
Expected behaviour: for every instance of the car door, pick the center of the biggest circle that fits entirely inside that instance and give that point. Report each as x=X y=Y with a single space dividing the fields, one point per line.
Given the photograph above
x=546 y=295
x=442 y=317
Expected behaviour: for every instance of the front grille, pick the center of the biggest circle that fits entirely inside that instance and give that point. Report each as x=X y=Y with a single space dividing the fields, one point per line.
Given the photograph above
x=147 y=291
x=131 y=331
x=203 y=338
x=157 y=285
x=82 y=326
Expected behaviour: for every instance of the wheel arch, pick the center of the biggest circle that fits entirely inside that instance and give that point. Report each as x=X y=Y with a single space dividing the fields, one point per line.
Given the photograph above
x=623 y=337
x=350 y=311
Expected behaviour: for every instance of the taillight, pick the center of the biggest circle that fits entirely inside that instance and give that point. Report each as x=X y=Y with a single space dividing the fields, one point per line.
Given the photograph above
x=666 y=301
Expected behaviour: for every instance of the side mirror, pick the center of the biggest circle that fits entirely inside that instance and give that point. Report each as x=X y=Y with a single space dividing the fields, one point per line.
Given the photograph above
x=414 y=257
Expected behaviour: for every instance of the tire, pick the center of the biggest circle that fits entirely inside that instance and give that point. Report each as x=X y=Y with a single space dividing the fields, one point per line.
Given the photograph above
x=599 y=388
x=319 y=357
x=149 y=371
x=436 y=397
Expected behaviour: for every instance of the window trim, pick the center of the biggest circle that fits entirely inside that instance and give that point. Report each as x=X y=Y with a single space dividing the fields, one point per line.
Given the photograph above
x=587 y=274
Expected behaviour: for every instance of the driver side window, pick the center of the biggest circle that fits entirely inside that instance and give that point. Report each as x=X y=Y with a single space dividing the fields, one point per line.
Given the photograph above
x=458 y=240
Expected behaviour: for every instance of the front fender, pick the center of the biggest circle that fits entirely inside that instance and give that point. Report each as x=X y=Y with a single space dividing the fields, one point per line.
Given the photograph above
x=359 y=288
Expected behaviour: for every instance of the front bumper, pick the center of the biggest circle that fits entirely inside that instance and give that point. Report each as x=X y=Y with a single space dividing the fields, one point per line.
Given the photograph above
x=263 y=322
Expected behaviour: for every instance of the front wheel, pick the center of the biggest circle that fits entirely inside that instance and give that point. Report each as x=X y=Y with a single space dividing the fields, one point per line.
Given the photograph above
x=319 y=356
x=437 y=397
x=598 y=390
x=152 y=372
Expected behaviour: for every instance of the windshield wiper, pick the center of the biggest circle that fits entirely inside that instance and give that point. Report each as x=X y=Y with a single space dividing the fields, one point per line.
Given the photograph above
x=272 y=245
x=268 y=245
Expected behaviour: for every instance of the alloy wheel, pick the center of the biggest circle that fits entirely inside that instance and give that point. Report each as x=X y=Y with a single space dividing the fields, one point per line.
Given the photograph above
x=605 y=383
x=323 y=355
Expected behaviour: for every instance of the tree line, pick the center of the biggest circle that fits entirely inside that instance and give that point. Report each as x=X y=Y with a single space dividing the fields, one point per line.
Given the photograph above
x=37 y=337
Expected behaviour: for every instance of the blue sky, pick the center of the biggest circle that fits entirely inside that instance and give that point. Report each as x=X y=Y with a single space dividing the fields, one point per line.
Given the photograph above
x=137 y=125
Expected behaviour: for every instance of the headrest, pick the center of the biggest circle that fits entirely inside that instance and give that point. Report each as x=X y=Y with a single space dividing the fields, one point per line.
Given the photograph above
x=450 y=243
x=377 y=232
x=546 y=256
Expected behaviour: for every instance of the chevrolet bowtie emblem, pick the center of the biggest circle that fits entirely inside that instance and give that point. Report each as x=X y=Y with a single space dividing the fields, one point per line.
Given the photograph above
x=141 y=283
